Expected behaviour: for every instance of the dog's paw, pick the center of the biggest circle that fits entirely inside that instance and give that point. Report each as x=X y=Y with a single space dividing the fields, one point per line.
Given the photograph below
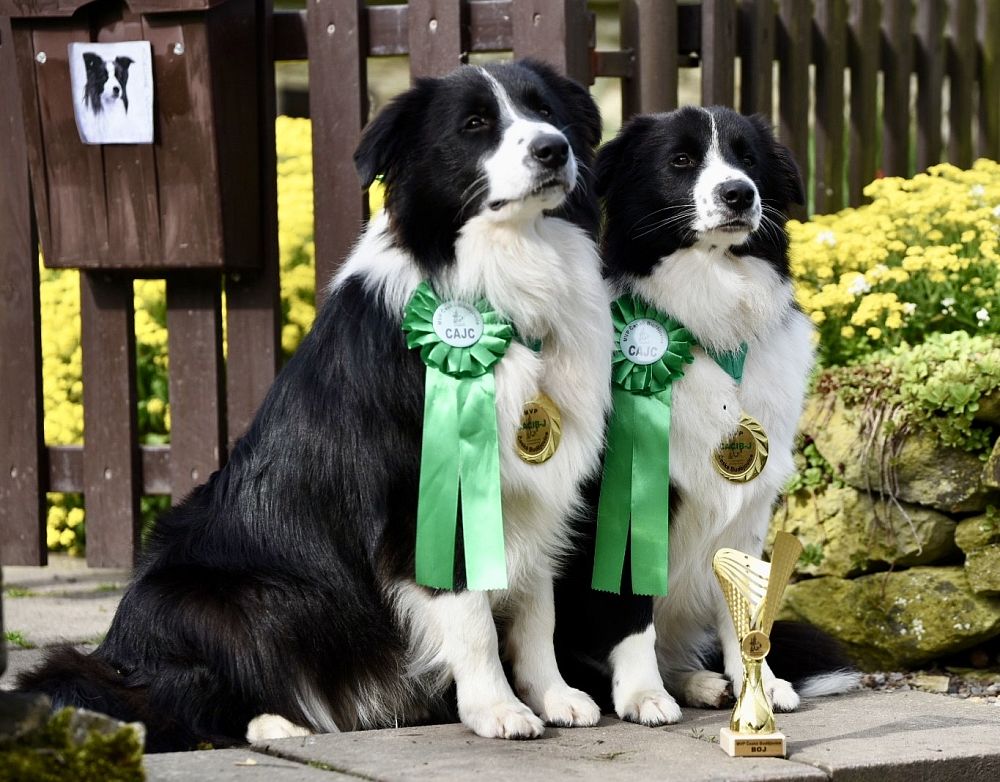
x=265 y=727
x=567 y=707
x=507 y=719
x=782 y=695
x=707 y=689
x=649 y=707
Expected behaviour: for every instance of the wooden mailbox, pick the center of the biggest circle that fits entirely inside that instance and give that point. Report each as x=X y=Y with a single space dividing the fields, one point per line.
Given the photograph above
x=189 y=200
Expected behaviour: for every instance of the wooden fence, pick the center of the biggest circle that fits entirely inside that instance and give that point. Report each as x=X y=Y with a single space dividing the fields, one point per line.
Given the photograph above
x=844 y=83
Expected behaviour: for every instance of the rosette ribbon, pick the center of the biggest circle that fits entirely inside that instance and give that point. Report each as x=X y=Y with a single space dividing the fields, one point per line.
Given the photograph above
x=460 y=454
x=635 y=489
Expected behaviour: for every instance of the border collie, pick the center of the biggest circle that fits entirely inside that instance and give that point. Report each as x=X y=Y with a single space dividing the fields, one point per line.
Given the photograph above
x=279 y=597
x=696 y=204
x=107 y=84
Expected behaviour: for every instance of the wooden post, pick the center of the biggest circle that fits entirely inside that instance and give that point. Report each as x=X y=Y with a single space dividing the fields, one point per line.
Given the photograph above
x=962 y=75
x=557 y=31
x=897 y=65
x=649 y=30
x=718 y=52
x=794 y=36
x=864 y=62
x=756 y=43
x=930 y=80
x=831 y=61
x=989 y=79
x=435 y=36
x=23 y=472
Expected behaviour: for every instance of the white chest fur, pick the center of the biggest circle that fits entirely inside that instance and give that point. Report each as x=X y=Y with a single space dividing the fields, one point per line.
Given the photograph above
x=544 y=275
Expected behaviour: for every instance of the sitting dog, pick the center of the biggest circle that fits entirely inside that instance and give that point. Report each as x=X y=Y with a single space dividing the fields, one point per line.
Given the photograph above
x=279 y=598
x=696 y=204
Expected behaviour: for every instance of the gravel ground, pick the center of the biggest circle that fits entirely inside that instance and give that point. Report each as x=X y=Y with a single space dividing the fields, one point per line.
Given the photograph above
x=981 y=686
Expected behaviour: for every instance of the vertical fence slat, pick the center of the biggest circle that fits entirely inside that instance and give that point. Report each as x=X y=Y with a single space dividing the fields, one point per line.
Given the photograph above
x=897 y=65
x=930 y=61
x=253 y=305
x=111 y=466
x=436 y=28
x=197 y=409
x=831 y=61
x=864 y=62
x=988 y=144
x=338 y=104
x=718 y=50
x=557 y=31
x=961 y=79
x=756 y=45
x=793 y=38
x=22 y=463
x=649 y=29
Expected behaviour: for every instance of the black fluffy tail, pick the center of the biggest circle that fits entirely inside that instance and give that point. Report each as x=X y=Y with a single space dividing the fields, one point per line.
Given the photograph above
x=87 y=681
x=814 y=662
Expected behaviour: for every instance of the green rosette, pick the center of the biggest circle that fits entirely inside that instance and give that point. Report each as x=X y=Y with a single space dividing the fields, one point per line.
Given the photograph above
x=635 y=489
x=460 y=453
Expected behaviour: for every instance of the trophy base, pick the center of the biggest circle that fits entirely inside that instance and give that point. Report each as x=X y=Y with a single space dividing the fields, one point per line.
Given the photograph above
x=752 y=745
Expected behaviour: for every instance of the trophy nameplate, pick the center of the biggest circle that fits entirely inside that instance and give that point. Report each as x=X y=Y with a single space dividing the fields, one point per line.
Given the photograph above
x=753 y=590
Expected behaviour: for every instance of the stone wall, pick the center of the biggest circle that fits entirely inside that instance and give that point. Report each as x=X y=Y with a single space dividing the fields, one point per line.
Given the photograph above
x=902 y=547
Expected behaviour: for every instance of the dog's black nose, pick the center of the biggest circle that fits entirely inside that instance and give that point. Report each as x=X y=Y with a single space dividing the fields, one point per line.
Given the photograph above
x=737 y=194
x=115 y=91
x=550 y=150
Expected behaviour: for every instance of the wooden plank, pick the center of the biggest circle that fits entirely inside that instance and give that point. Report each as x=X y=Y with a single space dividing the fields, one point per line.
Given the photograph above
x=793 y=38
x=65 y=468
x=339 y=108
x=557 y=31
x=197 y=394
x=897 y=65
x=648 y=28
x=616 y=64
x=961 y=79
x=253 y=300
x=436 y=37
x=755 y=31
x=111 y=481
x=988 y=142
x=22 y=465
x=831 y=61
x=930 y=65
x=863 y=52
x=718 y=52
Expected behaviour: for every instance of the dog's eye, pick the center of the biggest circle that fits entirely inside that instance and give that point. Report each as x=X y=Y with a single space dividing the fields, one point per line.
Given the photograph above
x=748 y=161
x=475 y=122
x=681 y=161
x=545 y=111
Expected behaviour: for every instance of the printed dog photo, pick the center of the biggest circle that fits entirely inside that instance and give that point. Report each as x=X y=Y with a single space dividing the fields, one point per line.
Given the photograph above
x=113 y=92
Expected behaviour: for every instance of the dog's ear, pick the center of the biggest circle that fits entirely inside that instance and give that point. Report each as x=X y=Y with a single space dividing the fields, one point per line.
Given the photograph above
x=579 y=103
x=789 y=179
x=612 y=156
x=387 y=137
x=93 y=61
x=124 y=62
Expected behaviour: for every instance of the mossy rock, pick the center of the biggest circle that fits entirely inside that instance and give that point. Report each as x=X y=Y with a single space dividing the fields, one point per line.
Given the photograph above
x=846 y=532
x=977 y=532
x=982 y=567
x=74 y=744
x=925 y=473
x=991 y=472
x=889 y=621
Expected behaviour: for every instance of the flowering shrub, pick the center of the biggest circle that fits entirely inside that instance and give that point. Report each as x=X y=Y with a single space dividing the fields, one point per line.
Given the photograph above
x=922 y=257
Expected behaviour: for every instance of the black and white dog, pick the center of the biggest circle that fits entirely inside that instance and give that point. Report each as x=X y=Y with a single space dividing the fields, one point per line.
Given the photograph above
x=106 y=92
x=696 y=204
x=279 y=597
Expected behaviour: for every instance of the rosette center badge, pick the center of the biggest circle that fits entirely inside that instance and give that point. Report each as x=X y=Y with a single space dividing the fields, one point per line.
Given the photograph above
x=644 y=341
x=457 y=324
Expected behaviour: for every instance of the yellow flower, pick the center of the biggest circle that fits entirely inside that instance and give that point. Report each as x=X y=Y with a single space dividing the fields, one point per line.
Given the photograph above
x=847 y=332
x=874 y=332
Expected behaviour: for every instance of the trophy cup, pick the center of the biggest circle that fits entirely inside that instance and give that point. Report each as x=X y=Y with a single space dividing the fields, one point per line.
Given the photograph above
x=753 y=590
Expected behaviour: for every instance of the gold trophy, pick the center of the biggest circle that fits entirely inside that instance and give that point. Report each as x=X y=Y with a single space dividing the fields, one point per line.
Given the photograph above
x=753 y=590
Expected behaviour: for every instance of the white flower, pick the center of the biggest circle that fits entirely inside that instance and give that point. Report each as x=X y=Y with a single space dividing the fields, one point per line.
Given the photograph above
x=982 y=315
x=859 y=286
x=909 y=307
x=996 y=210
x=949 y=302
x=826 y=237
x=977 y=191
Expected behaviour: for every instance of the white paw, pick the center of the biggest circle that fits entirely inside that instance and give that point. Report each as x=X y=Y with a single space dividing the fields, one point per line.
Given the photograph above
x=707 y=689
x=649 y=707
x=569 y=708
x=502 y=720
x=782 y=695
x=265 y=727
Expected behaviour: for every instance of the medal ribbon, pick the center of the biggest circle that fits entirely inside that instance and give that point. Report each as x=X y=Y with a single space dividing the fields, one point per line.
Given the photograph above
x=635 y=489
x=460 y=454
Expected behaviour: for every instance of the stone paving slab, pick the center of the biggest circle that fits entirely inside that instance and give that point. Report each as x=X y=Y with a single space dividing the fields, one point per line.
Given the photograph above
x=232 y=765
x=611 y=751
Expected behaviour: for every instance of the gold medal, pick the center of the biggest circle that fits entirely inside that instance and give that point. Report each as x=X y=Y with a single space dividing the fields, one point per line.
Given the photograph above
x=742 y=457
x=540 y=430
x=755 y=645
